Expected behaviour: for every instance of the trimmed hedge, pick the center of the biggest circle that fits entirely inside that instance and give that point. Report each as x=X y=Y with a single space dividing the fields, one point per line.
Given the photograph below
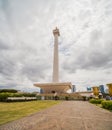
x=8 y=91
x=4 y=96
x=96 y=101
x=107 y=105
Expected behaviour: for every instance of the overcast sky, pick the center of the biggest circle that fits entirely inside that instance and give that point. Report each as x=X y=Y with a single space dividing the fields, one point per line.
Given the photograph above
x=26 y=42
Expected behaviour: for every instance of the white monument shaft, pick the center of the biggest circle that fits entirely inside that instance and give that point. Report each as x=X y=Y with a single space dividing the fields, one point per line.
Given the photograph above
x=56 y=59
x=55 y=86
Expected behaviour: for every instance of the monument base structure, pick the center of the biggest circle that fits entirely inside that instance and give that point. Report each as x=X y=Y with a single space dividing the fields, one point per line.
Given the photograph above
x=55 y=86
x=58 y=88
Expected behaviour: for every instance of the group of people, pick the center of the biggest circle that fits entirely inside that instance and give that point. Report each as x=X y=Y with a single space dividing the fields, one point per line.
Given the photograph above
x=108 y=97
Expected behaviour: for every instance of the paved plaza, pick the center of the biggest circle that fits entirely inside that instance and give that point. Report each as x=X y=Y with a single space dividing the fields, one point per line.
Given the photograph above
x=68 y=115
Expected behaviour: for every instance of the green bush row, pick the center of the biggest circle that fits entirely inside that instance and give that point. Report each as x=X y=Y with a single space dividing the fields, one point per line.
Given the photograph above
x=107 y=105
x=8 y=90
x=96 y=101
x=4 y=96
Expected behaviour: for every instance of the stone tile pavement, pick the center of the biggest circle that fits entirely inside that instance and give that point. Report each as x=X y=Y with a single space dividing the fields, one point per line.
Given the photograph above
x=69 y=115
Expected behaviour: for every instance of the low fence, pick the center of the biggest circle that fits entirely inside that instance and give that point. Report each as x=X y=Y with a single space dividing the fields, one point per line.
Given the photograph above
x=21 y=98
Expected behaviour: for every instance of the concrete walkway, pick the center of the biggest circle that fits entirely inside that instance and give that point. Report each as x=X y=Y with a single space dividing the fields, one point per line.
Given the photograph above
x=69 y=115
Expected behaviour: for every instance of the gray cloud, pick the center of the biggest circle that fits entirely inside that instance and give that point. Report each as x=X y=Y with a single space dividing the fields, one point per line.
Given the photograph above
x=3 y=45
x=96 y=56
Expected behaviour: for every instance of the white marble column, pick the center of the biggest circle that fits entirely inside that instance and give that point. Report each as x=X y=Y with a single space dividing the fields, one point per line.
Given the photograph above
x=56 y=59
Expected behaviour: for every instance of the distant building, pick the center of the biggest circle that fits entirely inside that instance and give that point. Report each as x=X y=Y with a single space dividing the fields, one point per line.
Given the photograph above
x=101 y=87
x=73 y=88
x=41 y=91
x=88 y=89
x=106 y=90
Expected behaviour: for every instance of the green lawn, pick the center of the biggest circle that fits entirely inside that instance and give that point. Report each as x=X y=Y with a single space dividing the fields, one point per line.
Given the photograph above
x=13 y=111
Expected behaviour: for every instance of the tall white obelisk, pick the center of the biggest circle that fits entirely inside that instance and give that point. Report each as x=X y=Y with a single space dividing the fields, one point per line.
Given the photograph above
x=56 y=59
x=55 y=86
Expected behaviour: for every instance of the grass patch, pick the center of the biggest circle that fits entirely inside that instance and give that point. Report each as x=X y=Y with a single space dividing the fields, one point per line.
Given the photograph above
x=99 y=105
x=13 y=111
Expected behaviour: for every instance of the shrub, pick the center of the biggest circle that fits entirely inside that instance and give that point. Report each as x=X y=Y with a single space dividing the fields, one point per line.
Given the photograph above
x=3 y=96
x=28 y=94
x=107 y=105
x=8 y=90
x=17 y=95
x=38 y=97
x=95 y=101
